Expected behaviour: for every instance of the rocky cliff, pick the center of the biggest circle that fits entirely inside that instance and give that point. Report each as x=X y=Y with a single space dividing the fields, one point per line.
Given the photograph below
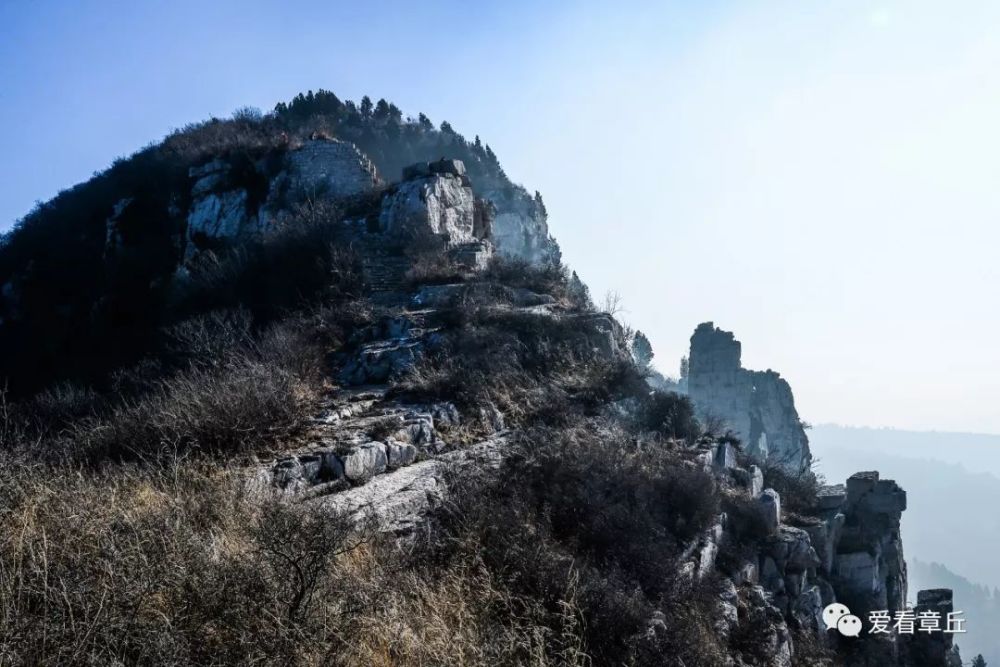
x=756 y=405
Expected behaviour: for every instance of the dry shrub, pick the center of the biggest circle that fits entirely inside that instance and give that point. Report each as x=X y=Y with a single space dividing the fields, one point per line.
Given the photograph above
x=248 y=405
x=582 y=520
x=431 y=264
x=461 y=614
x=798 y=488
x=532 y=367
x=230 y=391
x=176 y=566
x=545 y=278
x=670 y=414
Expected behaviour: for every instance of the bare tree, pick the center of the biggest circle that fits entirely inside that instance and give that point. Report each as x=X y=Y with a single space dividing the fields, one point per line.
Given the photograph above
x=612 y=303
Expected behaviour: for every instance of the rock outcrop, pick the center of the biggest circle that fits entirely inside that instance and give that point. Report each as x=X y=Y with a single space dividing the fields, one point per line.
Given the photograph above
x=433 y=200
x=846 y=549
x=868 y=566
x=234 y=198
x=757 y=406
x=521 y=228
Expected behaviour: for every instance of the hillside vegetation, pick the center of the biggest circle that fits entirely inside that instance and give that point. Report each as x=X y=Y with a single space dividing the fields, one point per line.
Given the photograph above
x=165 y=498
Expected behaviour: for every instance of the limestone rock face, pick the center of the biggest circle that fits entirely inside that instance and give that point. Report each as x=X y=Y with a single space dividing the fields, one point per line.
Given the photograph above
x=432 y=203
x=365 y=461
x=769 y=504
x=868 y=569
x=521 y=229
x=757 y=406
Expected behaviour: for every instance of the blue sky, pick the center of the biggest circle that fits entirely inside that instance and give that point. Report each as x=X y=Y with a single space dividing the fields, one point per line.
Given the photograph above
x=819 y=177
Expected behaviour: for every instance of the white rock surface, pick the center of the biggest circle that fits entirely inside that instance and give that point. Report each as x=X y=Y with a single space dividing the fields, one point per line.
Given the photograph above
x=365 y=461
x=769 y=504
x=441 y=205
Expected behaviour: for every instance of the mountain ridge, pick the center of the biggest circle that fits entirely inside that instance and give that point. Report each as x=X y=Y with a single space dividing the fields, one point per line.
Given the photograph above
x=337 y=415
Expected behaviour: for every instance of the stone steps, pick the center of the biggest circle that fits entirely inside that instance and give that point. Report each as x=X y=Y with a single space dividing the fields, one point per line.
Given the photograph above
x=385 y=273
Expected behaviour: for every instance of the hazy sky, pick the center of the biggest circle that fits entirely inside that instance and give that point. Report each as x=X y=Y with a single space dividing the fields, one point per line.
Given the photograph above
x=819 y=177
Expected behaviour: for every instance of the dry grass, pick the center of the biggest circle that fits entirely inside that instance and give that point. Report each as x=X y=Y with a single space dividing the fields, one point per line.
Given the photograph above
x=185 y=565
x=177 y=566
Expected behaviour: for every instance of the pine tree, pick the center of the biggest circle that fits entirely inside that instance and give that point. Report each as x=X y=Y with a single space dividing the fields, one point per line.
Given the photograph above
x=979 y=661
x=395 y=115
x=366 y=107
x=642 y=349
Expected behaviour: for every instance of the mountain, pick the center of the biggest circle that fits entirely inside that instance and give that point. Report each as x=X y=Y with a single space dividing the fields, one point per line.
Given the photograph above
x=86 y=278
x=314 y=387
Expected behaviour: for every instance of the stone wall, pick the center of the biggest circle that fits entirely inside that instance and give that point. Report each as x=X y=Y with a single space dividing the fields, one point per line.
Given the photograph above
x=225 y=205
x=757 y=406
x=332 y=168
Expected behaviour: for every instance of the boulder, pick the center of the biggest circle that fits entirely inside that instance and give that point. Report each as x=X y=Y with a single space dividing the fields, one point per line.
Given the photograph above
x=365 y=461
x=446 y=413
x=417 y=428
x=769 y=506
x=792 y=550
x=438 y=206
x=830 y=497
x=376 y=363
x=756 y=481
x=400 y=454
x=397 y=502
x=725 y=457
x=287 y=472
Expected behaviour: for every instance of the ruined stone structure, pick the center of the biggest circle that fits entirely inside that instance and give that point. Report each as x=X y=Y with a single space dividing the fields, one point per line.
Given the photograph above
x=228 y=202
x=757 y=406
x=331 y=168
